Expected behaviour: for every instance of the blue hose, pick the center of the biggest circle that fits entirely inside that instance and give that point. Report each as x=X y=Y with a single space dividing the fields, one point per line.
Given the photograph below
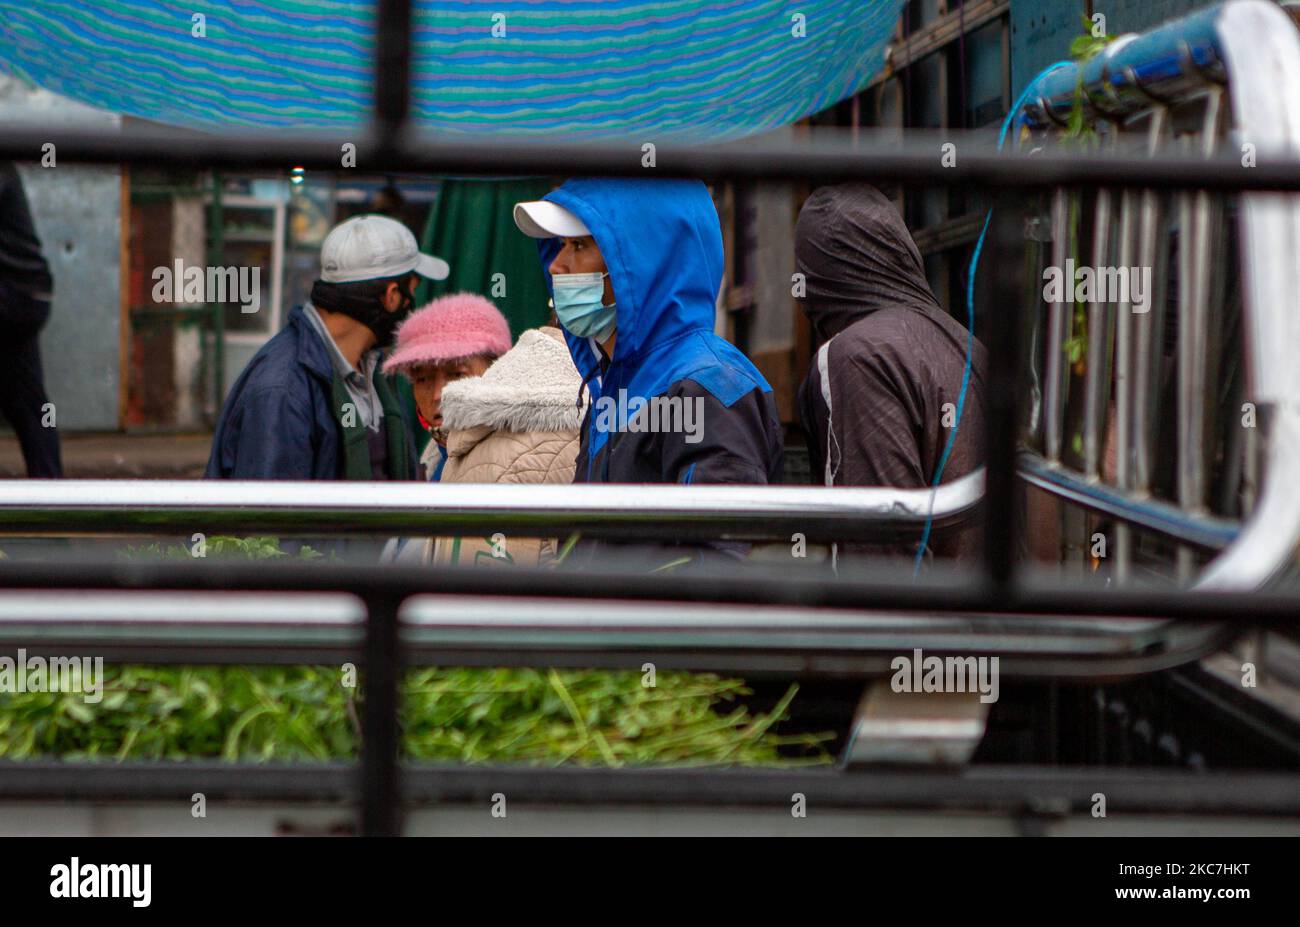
x=970 y=324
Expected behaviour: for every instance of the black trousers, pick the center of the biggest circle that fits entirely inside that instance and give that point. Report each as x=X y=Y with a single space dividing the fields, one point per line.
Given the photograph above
x=23 y=400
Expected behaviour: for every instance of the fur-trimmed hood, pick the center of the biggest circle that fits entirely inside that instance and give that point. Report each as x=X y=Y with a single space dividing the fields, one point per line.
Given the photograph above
x=532 y=387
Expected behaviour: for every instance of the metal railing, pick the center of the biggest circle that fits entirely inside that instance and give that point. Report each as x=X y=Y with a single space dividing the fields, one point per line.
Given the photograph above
x=1207 y=84
x=636 y=512
x=396 y=630
x=521 y=629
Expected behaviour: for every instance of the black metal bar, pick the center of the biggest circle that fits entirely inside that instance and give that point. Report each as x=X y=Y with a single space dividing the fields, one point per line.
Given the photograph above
x=588 y=634
x=949 y=592
x=381 y=814
x=1003 y=789
x=392 y=69
x=748 y=662
x=1004 y=304
x=830 y=159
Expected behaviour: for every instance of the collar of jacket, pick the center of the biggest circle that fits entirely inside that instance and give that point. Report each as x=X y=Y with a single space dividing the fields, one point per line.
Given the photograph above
x=463 y=440
x=433 y=458
x=356 y=443
x=532 y=387
x=314 y=356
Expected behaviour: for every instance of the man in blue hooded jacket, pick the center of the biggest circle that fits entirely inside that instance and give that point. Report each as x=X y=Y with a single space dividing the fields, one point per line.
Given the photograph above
x=635 y=267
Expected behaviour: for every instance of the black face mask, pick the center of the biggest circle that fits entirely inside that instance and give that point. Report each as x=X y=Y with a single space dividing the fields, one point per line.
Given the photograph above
x=369 y=311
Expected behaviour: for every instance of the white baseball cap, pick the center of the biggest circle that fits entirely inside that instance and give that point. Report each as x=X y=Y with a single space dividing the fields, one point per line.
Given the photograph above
x=543 y=219
x=374 y=247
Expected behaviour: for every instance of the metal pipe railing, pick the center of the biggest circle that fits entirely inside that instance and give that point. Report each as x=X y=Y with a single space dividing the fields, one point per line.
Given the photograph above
x=1099 y=362
x=1169 y=62
x=1017 y=791
x=1140 y=511
x=1058 y=323
x=958 y=591
x=1200 y=219
x=634 y=512
x=1148 y=326
x=387 y=147
x=381 y=796
x=159 y=627
x=1124 y=368
x=831 y=158
x=1172 y=86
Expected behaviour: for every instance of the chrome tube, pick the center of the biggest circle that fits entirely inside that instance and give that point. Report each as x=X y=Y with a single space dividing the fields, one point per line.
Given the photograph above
x=1195 y=257
x=1124 y=384
x=1128 y=507
x=1262 y=49
x=1148 y=326
x=484 y=630
x=1058 y=315
x=1101 y=340
x=1189 y=328
x=636 y=512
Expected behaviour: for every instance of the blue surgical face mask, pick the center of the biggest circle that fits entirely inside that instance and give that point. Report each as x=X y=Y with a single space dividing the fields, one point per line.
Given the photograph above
x=579 y=308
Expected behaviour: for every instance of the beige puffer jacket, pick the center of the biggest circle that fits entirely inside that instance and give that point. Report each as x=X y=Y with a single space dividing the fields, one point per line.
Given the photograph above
x=518 y=423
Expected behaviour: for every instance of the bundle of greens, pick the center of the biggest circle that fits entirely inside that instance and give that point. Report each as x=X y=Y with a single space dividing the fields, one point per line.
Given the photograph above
x=541 y=717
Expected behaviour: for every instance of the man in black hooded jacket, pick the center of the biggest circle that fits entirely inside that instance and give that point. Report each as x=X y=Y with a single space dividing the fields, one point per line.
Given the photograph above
x=880 y=400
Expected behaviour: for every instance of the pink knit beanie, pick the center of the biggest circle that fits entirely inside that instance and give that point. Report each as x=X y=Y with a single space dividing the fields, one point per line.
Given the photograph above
x=449 y=328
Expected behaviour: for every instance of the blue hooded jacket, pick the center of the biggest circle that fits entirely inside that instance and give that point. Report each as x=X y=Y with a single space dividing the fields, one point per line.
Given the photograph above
x=662 y=246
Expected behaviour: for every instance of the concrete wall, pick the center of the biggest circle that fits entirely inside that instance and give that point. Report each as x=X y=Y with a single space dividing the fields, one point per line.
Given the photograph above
x=77 y=211
x=189 y=232
x=772 y=327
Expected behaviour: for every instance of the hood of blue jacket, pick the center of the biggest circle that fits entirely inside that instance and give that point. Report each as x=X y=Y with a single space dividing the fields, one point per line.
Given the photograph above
x=662 y=246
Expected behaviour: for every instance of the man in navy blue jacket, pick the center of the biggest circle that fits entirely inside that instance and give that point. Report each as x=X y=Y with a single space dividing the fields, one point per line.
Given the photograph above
x=312 y=404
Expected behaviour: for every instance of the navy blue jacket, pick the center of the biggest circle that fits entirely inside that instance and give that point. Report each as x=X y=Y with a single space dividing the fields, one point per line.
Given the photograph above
x=278 y=421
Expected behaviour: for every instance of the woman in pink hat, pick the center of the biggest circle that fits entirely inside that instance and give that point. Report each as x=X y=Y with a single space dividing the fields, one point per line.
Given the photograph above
x=451 y=338
x=516 y=422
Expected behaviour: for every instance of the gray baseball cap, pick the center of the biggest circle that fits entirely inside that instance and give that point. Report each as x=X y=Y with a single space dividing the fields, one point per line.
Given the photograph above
x=373 y=247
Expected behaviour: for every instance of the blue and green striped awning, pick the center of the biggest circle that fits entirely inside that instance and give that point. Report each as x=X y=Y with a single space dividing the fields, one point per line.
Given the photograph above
x=708 y=70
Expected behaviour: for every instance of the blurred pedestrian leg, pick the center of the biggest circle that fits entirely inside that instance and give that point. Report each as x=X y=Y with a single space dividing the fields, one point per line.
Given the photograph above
x=25 y=292
x=25 y=405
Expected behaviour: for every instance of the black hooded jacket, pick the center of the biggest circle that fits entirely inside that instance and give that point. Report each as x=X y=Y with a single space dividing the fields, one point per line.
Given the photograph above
x=881 y=396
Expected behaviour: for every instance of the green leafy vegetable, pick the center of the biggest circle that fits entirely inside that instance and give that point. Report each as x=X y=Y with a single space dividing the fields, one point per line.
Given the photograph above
x=542 y=717
x=304 y=713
